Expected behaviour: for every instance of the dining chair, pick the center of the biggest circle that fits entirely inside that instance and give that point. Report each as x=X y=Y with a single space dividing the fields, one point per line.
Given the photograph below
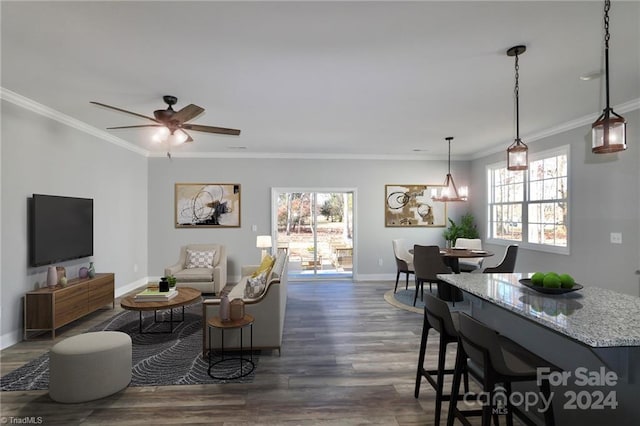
x=428 y=263
x=503 y=362
x=404 y=261
x=470 y=264
x=508 y=263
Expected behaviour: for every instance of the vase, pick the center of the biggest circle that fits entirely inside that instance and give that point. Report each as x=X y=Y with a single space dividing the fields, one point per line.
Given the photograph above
x=83 y=272
x=163 y=285
x=92 y=270
x=225 y=313
x=52 y=276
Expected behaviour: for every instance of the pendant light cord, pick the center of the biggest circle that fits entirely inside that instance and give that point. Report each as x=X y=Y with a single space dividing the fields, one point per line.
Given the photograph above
x=607 y=36
x=449 y=162
x=517 y=93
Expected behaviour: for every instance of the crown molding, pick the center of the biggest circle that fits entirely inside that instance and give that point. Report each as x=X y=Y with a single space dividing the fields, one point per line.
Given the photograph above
x=303 y=156
x=53 y=114
x=45 y=111
x=632 y=105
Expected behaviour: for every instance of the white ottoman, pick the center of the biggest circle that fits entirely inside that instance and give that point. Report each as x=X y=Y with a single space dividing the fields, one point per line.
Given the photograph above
x=89 y=366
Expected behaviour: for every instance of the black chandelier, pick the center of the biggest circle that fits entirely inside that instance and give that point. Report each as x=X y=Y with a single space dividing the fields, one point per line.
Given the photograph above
x=449 y=192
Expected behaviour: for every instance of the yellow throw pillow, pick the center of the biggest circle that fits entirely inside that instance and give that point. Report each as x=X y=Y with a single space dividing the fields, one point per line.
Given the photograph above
x=265 y=266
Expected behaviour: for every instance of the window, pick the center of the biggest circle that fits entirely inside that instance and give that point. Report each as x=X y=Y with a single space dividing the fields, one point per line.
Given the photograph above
x=531 y=207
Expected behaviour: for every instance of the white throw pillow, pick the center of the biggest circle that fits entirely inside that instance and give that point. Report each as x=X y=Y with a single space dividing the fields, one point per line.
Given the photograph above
x=255 y=286
x=199 y=259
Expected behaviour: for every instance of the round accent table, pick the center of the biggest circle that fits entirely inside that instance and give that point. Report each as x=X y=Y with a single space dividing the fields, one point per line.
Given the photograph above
x=245 y=365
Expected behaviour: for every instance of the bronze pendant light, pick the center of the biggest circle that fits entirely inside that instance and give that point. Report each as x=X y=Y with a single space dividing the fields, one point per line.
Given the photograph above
x=449 y=192
x=517 y=153
x=609 y=131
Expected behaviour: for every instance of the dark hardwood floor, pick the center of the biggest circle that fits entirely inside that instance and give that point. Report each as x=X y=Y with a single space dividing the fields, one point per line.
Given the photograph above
x=348 y=358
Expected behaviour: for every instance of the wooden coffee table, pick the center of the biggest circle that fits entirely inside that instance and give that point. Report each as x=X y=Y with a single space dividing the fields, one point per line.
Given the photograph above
x=186 y=296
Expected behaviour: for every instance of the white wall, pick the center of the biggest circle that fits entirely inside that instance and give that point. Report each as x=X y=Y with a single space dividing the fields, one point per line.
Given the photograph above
x=258 y=176
x=40 y=155
x=604 y=198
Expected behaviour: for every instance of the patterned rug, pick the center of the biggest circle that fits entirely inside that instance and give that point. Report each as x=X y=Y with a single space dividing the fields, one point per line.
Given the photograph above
x=158 y=359
x=403 y=299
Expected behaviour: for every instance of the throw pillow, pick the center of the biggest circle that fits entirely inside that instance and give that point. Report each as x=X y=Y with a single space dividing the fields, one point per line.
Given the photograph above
x=255 y=286
x=265 y=266
x=199 y=259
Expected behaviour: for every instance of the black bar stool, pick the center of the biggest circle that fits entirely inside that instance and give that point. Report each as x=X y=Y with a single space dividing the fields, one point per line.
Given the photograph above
x=503 y=362
x=438 y=317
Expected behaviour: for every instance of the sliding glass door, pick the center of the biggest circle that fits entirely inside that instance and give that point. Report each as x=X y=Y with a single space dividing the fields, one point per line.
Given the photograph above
x=316 y=228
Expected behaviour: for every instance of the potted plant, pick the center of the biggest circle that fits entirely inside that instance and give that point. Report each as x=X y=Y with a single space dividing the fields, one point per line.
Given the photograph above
x=466 y=229
x=172 y=281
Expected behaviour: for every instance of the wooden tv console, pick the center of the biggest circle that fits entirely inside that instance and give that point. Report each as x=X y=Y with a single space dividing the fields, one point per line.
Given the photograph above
x=48 y=309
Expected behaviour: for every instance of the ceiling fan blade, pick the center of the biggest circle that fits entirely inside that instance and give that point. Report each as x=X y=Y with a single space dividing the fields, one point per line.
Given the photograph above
x=189 y=138
x=187 y=113
x=124 y=110
x=135 y=127
x=211 y=129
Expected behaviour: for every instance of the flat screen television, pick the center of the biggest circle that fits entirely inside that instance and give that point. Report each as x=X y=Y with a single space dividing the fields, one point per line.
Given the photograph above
x=61 y=228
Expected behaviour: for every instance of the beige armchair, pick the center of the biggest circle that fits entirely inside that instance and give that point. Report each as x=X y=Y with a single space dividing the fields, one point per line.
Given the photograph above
x=200 y=269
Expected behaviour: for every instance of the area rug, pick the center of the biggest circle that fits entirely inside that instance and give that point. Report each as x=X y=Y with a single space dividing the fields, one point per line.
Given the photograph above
x=158 y=359
x=403 y=299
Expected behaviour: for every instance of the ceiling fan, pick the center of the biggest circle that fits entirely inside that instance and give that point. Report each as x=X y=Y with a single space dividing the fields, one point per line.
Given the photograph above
x=173 y=121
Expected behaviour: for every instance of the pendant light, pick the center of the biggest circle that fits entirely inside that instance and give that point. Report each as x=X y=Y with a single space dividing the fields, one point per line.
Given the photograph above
x=449 y=192
x=517 y=153
x=609 y=132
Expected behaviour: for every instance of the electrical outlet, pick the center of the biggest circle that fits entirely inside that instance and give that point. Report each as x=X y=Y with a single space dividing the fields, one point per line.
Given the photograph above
x=380 y=262
x=254 y=228
x=616 y=238
x=135 y=267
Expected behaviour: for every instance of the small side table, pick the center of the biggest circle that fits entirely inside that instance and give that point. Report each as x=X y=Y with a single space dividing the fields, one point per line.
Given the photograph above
x=240 y=324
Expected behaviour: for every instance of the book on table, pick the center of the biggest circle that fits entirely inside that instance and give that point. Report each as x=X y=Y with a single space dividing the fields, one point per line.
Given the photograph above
x=152 y=294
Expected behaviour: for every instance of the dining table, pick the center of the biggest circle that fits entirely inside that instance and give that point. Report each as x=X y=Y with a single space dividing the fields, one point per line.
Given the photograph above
x=592 y=334
x=451 y=257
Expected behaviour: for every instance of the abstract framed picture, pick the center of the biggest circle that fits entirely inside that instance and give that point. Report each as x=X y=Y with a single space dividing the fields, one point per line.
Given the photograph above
x=410 y=205
x=207 y=205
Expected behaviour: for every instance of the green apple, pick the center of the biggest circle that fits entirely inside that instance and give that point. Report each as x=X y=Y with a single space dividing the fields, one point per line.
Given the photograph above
x=551 y=281
x=566 y=281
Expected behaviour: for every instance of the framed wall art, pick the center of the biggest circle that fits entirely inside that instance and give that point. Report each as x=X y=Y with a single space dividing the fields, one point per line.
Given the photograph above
x=207 y=205
x=411 y=206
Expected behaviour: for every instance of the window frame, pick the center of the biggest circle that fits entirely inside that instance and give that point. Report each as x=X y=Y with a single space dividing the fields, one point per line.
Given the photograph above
x=526 y=202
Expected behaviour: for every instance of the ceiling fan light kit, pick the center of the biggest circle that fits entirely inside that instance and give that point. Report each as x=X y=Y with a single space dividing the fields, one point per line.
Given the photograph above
x=609 y=131
x=171 y=124
x=449 y=192
x=518 y=151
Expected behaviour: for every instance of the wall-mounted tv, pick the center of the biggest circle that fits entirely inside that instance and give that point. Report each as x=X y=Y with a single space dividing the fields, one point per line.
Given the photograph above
x=60 y=228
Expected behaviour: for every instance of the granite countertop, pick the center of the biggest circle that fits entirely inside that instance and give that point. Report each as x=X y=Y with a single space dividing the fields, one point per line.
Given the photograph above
x=594 y=316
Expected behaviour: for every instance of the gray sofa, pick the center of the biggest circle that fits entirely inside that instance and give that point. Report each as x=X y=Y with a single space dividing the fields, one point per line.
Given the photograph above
x=268 y=311
x=207 y=280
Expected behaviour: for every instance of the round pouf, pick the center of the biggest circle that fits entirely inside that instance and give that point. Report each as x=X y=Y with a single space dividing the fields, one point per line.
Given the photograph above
x=89 y=366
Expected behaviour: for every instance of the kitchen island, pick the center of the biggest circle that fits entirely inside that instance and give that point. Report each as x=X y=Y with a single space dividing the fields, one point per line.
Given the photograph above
x=588 y=333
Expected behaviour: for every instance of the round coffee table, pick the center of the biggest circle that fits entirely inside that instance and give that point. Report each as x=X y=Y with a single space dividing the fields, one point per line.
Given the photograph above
x=186 y=296
x=240 y=324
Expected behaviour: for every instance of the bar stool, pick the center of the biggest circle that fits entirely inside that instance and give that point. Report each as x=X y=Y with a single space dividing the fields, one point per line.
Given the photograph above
x=438 y=317
x=503 y=362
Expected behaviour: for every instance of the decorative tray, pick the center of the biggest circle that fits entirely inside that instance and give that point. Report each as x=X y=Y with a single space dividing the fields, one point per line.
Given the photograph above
x=459 y=248
x=527 y=282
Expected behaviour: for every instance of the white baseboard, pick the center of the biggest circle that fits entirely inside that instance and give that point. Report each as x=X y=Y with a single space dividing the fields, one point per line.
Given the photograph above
x=374 y=277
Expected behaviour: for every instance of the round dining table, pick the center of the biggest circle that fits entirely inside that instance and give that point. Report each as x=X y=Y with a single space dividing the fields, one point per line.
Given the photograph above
x=451 y=257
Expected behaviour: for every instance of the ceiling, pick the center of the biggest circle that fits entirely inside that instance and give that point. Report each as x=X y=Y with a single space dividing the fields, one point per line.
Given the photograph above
x=328 y=78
